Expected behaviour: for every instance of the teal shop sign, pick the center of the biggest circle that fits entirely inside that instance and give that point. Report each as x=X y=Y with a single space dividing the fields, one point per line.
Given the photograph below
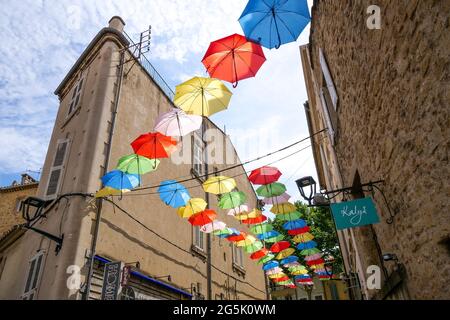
x=354 y=213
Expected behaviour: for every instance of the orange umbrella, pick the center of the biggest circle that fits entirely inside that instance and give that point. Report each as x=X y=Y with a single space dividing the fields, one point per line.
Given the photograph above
x=154 y=145
x=279 y=246
x=202 y=218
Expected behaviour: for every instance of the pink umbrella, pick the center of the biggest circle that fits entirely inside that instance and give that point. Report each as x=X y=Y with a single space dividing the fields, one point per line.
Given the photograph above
x=213 y=226
x=275 y=270
x=176 y=123
x=239 y=210
x=314 y=257
x=276 y=200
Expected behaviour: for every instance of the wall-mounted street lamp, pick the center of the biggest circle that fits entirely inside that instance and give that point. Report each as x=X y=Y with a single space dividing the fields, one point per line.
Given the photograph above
x=307 y=188
x=390 y=257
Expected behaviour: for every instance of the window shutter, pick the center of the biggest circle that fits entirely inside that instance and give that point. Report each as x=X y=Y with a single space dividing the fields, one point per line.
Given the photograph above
x=326 y=113
x=34 y=274
x=328 y=79
x=57 y=168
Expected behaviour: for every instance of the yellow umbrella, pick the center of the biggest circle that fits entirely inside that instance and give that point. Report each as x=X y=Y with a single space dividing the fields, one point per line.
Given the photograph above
x=255 y=213
x=219 y=185
x=193 y=206
x=283 y=208
x=246 y=242
x=299 y=272
x=202 y=96
x=285 y=253
x=303 y=237
x=108 y=191
x=318 y=266
x=276 y=275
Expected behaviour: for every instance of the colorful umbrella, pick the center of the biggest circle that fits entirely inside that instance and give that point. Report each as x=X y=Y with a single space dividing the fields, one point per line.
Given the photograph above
x=289 y=260
x=264 y=175
x=282 y=279
x=270 y=265
x=295 y=232
x=226 y=232
x=249 y=240
x=232 y=200
x=154 y=145
x=261 y=228
x=237 y=237
x=283 y=208
x=274 y=239
x=276 y=275
x=296 y=224
x=219 y=185
x=270 y=190
x=108 y=191
x=202 y=218
x=315 y=262
x=279 y=246
x=254 y=247
x=304 y=237
x=285 y=253
x=213 y=226
x=119 y=180
x=202 y=96
x=278 y=199
x=136 y=164
x=173 y=194
x=266 y=258
x=233 y=58
x=256 y=220
x=309 y=252
x=255 y=213
x=267 y=235
x=259 y=254
x=193 y=206
x=176 y=123
x=288 y=216
x=273 y=22
x=274 y=271
x=242 y=209
x=307 y=245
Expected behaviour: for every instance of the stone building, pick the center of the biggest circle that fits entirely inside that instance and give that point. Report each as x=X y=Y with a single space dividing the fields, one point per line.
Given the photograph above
x=384 y=96
x=104 y=107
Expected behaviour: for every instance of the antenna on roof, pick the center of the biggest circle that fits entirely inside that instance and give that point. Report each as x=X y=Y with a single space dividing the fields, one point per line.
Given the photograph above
x=140 y=48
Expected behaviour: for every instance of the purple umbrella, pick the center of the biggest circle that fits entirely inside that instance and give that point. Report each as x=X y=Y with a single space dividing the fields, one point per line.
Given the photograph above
x=276 y=200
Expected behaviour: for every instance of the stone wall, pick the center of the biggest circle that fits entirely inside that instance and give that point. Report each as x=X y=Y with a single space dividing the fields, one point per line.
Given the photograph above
x=393 y=124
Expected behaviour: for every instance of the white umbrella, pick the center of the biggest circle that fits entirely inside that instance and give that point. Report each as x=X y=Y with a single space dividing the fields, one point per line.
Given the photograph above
x=238 y=210
x=176 y=123
x=213 y=226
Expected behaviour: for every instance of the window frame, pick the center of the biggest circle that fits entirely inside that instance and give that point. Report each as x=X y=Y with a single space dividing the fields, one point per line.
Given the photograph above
x=238 y=256
x=34 y=275
x=198 y=239
x=328 y=80
x=60 y=167
x=75 y=100
x=197 y=163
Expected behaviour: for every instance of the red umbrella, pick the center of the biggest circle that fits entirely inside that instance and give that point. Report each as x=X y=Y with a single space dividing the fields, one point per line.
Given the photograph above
x=154 y=145
x=281 y=279
x=280 y=246
x=233 y=58
x=237 y=238
x=259 y=254
x=256 y=220
x=315 y=262
x=264 y=175
x=202 y=218
x=295 y=232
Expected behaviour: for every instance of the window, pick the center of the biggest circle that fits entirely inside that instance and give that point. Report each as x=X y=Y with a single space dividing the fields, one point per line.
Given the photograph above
x=18 y=206
x=2 y=265
x=76 y=97
x=198 y=237
x=238 y=256
x=330 y=88
x=318 y=297
x=57 y=169
x=197 y=155
x=33 y=278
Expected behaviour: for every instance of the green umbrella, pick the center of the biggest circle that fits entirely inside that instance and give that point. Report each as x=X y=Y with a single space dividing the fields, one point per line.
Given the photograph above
x=135 y=164
x=261 y=228
x=256 y=246
x=232 y=200
x=289 y=216
x=274 y=239
x=271 y=190
x=266 y=258
x=309 y=252
x=223 y=233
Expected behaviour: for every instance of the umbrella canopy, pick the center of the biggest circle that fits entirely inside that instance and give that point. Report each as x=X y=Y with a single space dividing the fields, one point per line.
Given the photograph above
x=176 y=123
x=307 y=245
x=273 y=22
x=233 y=58
x=277 y=199
x=270 y=190
x=202 y=218
x=288 y=216
x=289 y=260
x=237 y=237
x=274 y=239
x=173 y=193
x=219 y=185
x=267 y=235
x=295 y=232
x=274 y=271
x=108 y=191
x=283 y=279
x=256 y=220
x=254 y=247
x=299 y=272
x=270 y=265
x=259 y=254
x=314 y=256
x=285 y=253
x=242 y=209
x=226 y=232
x=279 y=246
x=255 y=213
x=304 y=237
x=136 y=164
x=119 y=180
x=266 y=258
x=213 y=226
x=232 y=200
x=261 y=228
x=309 y=252
x=283 y=208
x=315 y=262
x=249 y=240
x=193 y=206
x=296 y=224
x=276 y=275
x=264 y=175
x=154 y=145
x=202 y=96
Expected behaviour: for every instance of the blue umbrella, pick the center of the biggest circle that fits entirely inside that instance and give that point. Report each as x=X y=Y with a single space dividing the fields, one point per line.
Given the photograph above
x=289 y=259
x=270 y=265
x=296 y=224
x=307 y=245
x=119 y=180
x=267 y=235
x=302 y=276
x=173 y=193
x=272 y=23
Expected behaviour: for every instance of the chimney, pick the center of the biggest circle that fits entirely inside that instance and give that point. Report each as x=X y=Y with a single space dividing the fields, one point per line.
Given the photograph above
x=117 y=23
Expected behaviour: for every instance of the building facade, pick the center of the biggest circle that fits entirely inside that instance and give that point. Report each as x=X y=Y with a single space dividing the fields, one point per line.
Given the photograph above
x=384 y=96
x=103 y=107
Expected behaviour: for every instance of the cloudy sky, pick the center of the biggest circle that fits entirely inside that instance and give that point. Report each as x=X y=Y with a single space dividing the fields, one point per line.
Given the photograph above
x=42 y=39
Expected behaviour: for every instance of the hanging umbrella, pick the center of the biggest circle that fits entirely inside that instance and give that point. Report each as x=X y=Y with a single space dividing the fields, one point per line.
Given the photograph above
x=242 y=209
x=202 y=218
x=249 y=240
x=270 y=190
x=270 y=265
x=219 y=185
x=254 y=247
x=280 y=246
x=259 y=254
x=291 y=265
x=232 y=200
x=276 y=275
x=315 y=262
x=289 y=260
x=136 y=164
x=261 y=228
x=255 y=213
x=108 y=191
x=176 y=123
x=309 y=252
x=307 y=245
x=267 y=235
x=274 y=239
x=154 y=145
x=237 y=237
x=299 y=272
x=296 y=224
x=213 y=226
x=173 y=193
x=295 y=232
x=119 y=180
x=256 y=220
x=266 y=258
x=274 y=271
x=304 y=237
x=283 y=208
x=273 y=22
x=281 y=279
x=226 y=232
x=314 y=256
x=264 y=175
x=202 y=96
x=233 y=58
x=288 y=216
x=285 y=253
x=193 y=206
x=277 y=199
